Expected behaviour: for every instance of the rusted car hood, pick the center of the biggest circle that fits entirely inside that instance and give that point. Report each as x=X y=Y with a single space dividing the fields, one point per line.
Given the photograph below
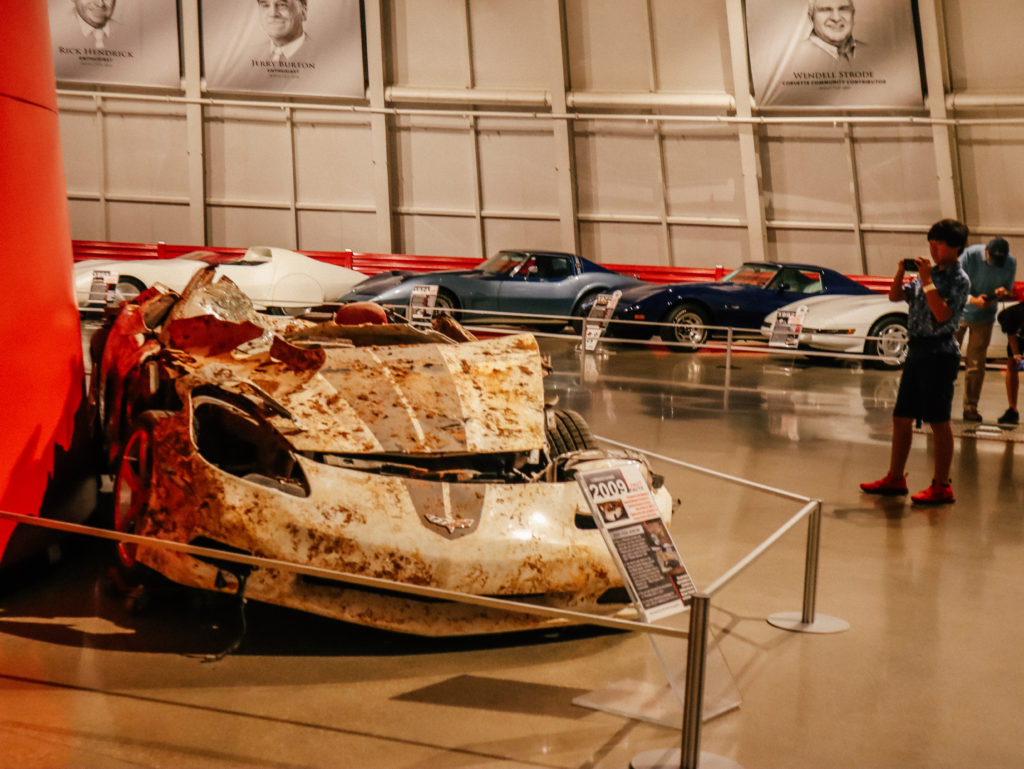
x=484 y=396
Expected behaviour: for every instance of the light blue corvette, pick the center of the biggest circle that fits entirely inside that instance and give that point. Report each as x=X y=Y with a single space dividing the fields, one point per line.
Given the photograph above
x=519 y=283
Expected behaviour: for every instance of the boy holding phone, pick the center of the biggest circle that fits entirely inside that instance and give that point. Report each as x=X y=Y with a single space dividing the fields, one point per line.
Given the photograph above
x=936 y=299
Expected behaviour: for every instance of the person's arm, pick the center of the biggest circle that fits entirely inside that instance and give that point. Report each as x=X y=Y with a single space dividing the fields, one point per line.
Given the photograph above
x=896 y=292
x=936 y=303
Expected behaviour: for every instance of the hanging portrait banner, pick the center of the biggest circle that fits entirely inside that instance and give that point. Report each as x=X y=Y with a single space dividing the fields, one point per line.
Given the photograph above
x=834 y=53
x=292 y=47
x=119 y=42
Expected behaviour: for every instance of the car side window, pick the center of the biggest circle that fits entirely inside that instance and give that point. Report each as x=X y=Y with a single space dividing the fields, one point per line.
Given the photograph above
x=555 y=268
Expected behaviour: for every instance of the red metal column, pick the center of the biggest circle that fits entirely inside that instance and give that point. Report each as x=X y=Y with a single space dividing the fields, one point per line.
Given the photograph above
x=40 y=338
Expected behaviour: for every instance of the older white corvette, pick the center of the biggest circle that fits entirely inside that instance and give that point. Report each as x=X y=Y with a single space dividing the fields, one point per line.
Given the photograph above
x=271 y=277
x=423 y=457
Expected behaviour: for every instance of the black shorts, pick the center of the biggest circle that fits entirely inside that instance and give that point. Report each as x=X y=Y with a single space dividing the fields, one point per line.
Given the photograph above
x=926 y=387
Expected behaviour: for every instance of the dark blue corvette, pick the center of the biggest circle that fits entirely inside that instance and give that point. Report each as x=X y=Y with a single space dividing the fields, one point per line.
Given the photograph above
x=514 y=282
x=681 y=312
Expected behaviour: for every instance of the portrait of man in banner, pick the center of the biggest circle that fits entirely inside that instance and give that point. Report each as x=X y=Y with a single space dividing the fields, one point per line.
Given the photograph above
x=311 y=47
x=833 y=53
x=126 y=42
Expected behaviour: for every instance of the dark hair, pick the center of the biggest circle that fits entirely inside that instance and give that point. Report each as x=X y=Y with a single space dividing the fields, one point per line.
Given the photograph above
x=951 y=232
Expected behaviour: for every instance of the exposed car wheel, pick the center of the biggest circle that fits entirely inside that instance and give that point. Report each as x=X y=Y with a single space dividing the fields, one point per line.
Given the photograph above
x=445 y=300
x=291 y=312
x=132 y=485
x=686 y=325
x=891 y=345
x=582 y=310
x=129 y=287
x=569 y=432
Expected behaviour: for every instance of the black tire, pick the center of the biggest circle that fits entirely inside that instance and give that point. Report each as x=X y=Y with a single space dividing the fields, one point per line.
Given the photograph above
x=129 y=287
x=446 y=301
x=685 y=327
x=289 y=312
x=582 y=310
x=891 y=347
x=569 y=432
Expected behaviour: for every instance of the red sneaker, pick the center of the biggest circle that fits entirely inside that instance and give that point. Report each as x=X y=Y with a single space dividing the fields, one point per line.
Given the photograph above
x=936 y=494
x=888 y=486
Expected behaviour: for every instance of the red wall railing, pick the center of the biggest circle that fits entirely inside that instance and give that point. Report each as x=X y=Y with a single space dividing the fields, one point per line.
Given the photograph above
x=371 y=264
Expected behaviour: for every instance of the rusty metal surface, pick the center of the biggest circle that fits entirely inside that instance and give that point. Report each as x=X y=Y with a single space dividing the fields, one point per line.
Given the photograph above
x=325 y=399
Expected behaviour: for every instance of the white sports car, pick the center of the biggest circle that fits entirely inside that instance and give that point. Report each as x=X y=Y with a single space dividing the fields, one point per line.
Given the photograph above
x=868 y=324
x=271 y=277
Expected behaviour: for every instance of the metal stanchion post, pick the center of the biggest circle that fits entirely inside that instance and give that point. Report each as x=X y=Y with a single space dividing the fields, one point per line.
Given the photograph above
x=728 y=366
x=693 y=699
x=689 y=755
x=806 y=621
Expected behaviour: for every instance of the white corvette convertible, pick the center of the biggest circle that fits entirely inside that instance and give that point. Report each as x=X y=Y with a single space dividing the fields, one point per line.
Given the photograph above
x=271 y=277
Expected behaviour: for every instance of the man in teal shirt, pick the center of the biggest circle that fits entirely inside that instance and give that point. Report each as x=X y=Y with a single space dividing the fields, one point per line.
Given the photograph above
x=992 y=271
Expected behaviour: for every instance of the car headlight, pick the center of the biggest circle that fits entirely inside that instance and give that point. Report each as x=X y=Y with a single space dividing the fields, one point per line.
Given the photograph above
x=232 y=438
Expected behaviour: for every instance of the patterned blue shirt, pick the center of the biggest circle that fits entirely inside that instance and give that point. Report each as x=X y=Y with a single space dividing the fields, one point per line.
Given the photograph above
x=953 y=286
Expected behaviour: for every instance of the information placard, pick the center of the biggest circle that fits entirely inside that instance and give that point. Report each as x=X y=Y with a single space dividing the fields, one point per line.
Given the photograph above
x=786 y=329
x=597 y=319
x=626 y=513
x=421 y=304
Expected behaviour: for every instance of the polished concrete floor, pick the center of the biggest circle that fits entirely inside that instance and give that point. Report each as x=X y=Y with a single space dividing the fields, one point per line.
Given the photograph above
x=928 y=674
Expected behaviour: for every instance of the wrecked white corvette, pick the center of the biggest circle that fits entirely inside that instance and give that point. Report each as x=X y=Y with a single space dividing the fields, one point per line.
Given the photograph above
x=378 y=450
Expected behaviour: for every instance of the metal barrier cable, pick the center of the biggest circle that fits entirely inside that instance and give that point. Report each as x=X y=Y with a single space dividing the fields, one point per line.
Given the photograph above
x=338 y=576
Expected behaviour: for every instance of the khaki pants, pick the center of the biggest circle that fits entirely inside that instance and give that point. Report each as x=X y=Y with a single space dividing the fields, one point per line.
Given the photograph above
x=978 y=337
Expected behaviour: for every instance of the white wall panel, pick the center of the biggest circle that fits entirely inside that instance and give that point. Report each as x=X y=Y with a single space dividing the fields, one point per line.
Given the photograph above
x=828 y=248
x=428 y=42
x=609 y=45
x=807 y=175
x=517 y=167
x=990 y=157
x=434 y=163
x=885 y=249
x=521 y=233
x=691 y=45
x=695 y=246
x=617 y=167
x=504 y=60
x=249 y=227
x=623 y=243
x=88 y=221
x=149 y=223
x=337 y=231
x=438 y=235
x=985 y=52
x=703 y=173
x=148 y=152
x=896 y=172
x=248 y=157
x=83 y=155
x=333 y=161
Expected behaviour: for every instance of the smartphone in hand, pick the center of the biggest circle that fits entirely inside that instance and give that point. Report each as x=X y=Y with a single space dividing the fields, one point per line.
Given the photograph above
x=910 y=265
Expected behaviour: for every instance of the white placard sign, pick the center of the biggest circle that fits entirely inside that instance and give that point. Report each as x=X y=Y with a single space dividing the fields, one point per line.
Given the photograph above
x=597 y=319
x=421 y=304
x=102 y=288
x=626 y=513
x=786 y=329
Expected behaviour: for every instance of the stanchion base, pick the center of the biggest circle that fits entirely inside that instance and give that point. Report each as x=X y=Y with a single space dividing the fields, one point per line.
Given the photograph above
x=823 y=623
x=671 y=758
